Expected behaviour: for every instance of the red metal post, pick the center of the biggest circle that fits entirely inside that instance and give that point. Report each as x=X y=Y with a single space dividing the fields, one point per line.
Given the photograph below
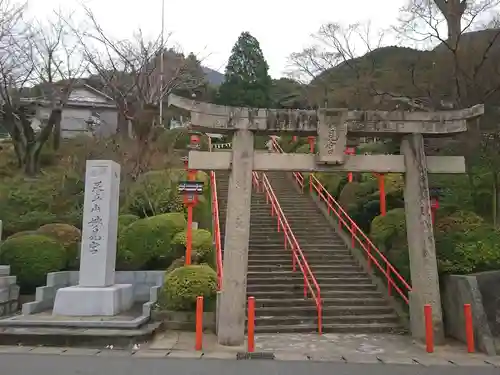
x=349 y=151
x=381 y=188
x=199 y=323
x=294 y=138
x=251 y=324
x=189 y=233
x=469 y=328
x=429 y=330
x=311 y=141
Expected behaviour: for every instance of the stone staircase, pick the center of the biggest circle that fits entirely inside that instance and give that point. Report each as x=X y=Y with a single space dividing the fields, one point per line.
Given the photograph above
x=351 y=301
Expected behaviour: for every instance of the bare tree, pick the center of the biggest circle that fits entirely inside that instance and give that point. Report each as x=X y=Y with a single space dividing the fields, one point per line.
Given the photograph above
x=41 y=55
x=467 y=67
x=344 y=50
x=129 y=72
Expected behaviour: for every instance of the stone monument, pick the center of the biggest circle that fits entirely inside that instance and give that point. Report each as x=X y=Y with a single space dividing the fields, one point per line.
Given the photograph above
x=333 y=127
x=97 y=294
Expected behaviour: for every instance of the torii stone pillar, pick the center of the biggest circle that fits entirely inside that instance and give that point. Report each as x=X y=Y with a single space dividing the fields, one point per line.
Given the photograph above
x=232 y=309
x=421 y=245
x=334 y=127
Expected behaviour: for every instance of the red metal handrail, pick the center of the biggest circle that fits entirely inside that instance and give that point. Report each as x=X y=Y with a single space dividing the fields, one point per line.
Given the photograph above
x=216 y=229
x=357 y=235
x=298 y=257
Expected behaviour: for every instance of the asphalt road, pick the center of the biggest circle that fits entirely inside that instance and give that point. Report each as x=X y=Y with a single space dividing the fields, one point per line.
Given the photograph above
x=20 y=364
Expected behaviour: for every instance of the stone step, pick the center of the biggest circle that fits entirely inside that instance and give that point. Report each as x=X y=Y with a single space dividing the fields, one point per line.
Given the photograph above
x=315 y=249
x=270 y=282
x=318 y=274
x=370 y=299
x=312 y=231
x=304 y=244
x=311 y=260
x=328 y=311
x=256 y=236
x=342 y=319
x=304 y=212
x=317 y=269
x=338 y=292
x=358 y=328
x=285 y=256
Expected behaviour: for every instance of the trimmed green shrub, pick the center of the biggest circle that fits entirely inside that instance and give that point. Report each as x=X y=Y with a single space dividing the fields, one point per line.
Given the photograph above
x=202 y=245
x=145 y=242
x=388 y=233
x=125 y=220
x=29 y=203
x=68 y=236
x=333 y=182
x=458 y=221
x=154 y=193
x=179 y=262
x=31 y=257
x=473 y=250
x=184 y=284
x=23 y=233
x=464 y=243
x=389 y=229
x=202 y=212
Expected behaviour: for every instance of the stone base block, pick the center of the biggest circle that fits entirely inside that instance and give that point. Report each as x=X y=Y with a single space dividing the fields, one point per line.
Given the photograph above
x=93 y=301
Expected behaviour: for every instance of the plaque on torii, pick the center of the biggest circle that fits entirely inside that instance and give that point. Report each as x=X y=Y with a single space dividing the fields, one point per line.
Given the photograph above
x=334 y=128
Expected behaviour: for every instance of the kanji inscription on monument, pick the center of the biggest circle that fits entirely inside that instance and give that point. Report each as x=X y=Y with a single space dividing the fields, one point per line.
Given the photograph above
x=100 y=223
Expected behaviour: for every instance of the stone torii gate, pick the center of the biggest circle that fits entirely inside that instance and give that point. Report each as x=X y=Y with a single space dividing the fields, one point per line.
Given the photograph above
x=333 y=127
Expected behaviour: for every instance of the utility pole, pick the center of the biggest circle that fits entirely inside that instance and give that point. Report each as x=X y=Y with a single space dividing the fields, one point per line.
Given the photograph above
x=162 y=57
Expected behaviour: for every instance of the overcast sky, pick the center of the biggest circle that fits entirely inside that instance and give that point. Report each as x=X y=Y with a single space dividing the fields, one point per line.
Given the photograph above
x=210 y=28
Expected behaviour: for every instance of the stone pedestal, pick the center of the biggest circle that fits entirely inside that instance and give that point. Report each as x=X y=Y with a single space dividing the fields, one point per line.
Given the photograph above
x=232 y=313
x=96 y=293
x=88 y=301
x=421 y=245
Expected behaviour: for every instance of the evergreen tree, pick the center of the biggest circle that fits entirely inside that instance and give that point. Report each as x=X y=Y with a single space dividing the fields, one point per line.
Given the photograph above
x=247 y=81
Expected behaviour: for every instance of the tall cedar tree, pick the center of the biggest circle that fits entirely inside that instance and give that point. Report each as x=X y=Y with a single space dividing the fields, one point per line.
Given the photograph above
x=247 y=81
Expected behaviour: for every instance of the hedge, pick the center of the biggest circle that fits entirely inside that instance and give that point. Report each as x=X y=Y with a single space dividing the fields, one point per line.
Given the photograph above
x=184 y=284
x=154 y=193
x=147 y=242
x=31 y=257
x=125 y=220
x=464 y=243
x=202 y=245
x=69 y=237
x=29 y=203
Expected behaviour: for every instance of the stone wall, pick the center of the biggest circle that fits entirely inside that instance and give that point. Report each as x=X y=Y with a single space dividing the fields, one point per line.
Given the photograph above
x=146 y=287
x=9 y=292
x=489 y=286
x=458 y=290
